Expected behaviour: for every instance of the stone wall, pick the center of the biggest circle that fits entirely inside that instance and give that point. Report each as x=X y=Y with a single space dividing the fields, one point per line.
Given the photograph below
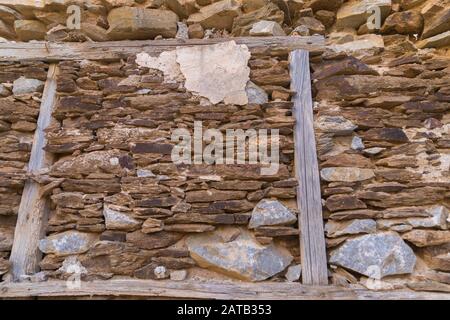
x=21 y=86
x=123 y=207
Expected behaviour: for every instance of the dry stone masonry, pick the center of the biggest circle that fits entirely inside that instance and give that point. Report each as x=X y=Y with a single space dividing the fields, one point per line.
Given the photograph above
x=121 y=207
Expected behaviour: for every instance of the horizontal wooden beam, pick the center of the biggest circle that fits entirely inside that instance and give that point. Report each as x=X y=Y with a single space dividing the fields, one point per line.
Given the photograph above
x=113 y=50
x=204 y=290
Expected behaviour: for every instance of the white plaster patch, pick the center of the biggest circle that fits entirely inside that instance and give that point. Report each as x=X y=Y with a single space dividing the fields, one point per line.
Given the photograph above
x=218 y=72
x=165 y=62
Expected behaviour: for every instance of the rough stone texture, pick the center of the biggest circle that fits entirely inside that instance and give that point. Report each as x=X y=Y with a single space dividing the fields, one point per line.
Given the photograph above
x=354 y=13
x=165 y=62
x=218 y=15
x=18 y=116
x=255 y=94
x=337 y=125
x=424 y=238
x=67 y=243
x=30 y=30
x=346 y=174
x=244 y=23
x=26 y=86
x=261 y=262
x=224 y=64
x=406 y=22
x=395 y=96
x=293 y=273
x=270 y=213
x=375 y=255
x=337 y=229
x=116 y=220
x=266 y=28
x=138 y=23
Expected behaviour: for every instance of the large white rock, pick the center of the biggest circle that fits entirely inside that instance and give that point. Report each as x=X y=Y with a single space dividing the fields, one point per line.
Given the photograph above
x=242 y=257
x=116 y=220
x=375 y=255
x=346 y=174
x=218 y=72
x=67 y=243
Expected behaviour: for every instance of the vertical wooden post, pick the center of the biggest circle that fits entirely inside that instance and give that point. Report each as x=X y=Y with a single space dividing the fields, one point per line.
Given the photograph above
x=312 y=239
x=33 y=209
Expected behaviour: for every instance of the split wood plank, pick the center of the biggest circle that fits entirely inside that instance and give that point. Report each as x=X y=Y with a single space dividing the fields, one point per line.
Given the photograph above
x=33 y=209
x=204 y=290
x=312 y=240
x=114 y=50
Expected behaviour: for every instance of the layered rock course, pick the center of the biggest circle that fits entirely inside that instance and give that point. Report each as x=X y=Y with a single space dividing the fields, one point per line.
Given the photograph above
x=21 y=86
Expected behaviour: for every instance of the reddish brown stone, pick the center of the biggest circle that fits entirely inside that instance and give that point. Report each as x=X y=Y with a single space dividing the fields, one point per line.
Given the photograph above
x=344 y=202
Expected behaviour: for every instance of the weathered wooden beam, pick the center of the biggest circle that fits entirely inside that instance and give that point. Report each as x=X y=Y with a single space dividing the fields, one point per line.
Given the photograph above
x=33 y=209
x=114 y=50
x=312 y=240
x=202 y=290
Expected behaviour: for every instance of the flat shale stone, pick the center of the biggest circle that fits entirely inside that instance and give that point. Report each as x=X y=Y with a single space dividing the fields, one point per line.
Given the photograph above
x=138 y=23
x=337 y=125
x=357 y=226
